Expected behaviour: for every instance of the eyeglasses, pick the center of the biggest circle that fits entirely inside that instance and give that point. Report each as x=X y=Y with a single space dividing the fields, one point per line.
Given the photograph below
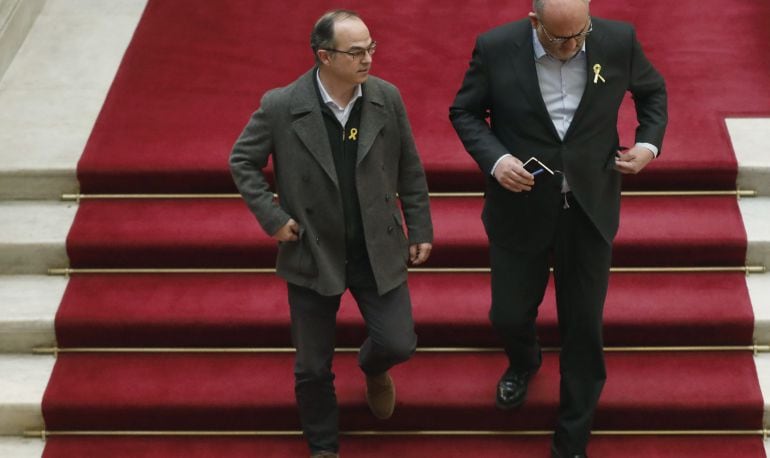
x=356 y=52
x=561 y=40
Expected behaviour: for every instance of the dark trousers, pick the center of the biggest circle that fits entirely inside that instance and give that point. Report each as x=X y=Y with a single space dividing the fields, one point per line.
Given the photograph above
x=582 y=260
x=391 y=340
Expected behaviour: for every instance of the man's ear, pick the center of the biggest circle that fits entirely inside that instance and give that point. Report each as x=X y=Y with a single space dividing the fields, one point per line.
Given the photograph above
x=533 y=19
x=324 y=56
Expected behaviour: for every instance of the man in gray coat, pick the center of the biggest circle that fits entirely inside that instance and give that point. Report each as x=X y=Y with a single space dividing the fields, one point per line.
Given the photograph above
x=343 y=155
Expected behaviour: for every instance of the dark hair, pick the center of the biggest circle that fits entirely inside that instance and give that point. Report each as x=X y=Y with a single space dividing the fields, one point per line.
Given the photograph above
x=322 y=36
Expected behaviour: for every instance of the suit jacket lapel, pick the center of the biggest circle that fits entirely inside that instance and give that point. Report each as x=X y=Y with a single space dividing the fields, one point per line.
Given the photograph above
x=373 y=118
x=309 y=124
x=594 y=56
x=526 y=74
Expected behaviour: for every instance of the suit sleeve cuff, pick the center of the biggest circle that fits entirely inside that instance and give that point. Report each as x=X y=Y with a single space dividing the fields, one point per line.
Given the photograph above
x=650 y=147
x=492 y=172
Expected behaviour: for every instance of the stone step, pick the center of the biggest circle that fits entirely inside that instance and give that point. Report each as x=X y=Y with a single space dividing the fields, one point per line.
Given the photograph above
x=756 y=218
x=68 y=59
x=16 y=18
x=17 y=447
x=21 y=392
x=25 y=378
x=762 y=362
x=751 y=142
x=33 y=235
x=28 y=306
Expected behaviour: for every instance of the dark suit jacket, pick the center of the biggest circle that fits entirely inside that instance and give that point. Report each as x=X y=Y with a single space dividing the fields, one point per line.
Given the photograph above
x=289 y=125
x=501 y=85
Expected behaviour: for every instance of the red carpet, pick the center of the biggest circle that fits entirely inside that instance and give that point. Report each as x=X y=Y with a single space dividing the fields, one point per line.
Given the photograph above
x=190 y=79
x=404 y=447
x=256 y=391
x=194 y=73
x=449 y=310
x=223 y=233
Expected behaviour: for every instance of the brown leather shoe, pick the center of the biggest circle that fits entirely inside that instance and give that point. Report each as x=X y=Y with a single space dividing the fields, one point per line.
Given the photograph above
x=325 y=455
x=381 y=395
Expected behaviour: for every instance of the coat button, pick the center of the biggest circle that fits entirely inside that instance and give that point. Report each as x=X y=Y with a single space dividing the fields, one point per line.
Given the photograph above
x=317 y=241
x=305 y=178
x=390 y=229
x=387 y=197
x=309 y=211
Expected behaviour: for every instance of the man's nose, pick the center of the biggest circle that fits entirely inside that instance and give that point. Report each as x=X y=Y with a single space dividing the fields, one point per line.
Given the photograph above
x=570 y=44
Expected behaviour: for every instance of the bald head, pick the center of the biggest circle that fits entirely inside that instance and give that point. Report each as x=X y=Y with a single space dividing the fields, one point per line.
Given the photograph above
x=560 y=10
x=561 y=25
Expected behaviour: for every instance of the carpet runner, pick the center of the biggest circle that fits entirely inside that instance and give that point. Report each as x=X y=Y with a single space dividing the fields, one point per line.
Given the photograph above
x=194 y=72
x=436 y=391
x=654 y=231
x=403 y=447
x=249 y=310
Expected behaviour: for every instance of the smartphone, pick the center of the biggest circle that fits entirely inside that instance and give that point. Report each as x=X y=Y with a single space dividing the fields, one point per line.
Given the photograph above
x=536 y=167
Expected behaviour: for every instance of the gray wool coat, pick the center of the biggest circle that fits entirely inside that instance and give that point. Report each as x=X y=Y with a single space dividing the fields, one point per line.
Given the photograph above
x=289 y=125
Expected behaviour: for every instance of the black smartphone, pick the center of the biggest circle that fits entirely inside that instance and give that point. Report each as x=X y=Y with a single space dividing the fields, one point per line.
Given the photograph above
x=536 y=167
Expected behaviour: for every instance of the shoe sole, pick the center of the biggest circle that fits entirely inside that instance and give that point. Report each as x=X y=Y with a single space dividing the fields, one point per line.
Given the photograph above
x=513 y=406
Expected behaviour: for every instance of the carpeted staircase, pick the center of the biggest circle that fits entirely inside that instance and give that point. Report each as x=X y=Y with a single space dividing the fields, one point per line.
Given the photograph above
x=173 y=331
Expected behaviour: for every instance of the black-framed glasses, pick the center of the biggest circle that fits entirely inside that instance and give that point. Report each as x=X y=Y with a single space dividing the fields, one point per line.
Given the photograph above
x=356 y=52
x=557 y=40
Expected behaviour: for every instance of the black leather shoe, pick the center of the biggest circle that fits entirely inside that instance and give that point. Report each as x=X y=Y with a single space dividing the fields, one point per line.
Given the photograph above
x=512 y=389
x=558 y=452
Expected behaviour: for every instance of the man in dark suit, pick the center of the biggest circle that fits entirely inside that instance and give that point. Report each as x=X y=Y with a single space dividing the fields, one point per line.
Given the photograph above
x=551 y=86
x=343 y=155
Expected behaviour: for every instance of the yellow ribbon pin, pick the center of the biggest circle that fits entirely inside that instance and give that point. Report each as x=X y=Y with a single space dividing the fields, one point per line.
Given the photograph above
x=353 y=134
x=597 y=74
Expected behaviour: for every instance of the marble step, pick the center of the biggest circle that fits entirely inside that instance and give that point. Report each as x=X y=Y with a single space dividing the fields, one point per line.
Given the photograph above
x=33 y=235
x=751 y=141
x=28 y=306
x=17 y=447
x=21 y=392
x=68 y=59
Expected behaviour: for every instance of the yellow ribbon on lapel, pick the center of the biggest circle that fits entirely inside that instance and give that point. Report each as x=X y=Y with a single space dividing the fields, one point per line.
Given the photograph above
x=597 y=74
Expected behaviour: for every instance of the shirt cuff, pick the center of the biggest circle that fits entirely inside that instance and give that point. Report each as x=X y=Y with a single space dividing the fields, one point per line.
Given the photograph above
x=650 y=147
x=492 y=172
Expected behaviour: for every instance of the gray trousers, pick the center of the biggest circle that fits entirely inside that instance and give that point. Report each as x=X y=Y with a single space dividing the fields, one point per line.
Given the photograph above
x=391 y=340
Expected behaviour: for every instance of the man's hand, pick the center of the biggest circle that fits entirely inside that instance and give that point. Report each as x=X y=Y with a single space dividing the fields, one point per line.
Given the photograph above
x=634 y=160
x=419 y=253
x=288 y=233
x=512 y=176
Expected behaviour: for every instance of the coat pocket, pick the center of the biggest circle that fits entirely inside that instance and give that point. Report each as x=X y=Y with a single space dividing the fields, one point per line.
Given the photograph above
x=610 y=163
x=403 y=241
x=297 y=256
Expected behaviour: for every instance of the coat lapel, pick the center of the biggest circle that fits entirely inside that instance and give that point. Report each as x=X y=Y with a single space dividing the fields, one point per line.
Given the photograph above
x=594 y=56
x=309 y=123
x=373 y=118
x=526 y=74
